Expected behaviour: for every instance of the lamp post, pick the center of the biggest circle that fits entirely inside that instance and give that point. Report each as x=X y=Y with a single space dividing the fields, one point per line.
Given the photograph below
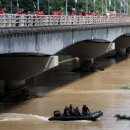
x=38 y=5
x=127 y=7
x=102 y=7
x=0 y=4
x=115 y=6
x=94 y=6
x=48 y=7
x=106 y=6
x=17 y=5
x=66 y=7
x=86 y=6
x=11 y=6
x=34 y=6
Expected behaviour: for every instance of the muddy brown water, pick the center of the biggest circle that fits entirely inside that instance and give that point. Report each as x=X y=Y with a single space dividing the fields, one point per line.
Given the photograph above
x=102 y=90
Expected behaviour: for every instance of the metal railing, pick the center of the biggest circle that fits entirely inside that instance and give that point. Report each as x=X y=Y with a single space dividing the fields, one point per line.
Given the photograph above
x=14 y=20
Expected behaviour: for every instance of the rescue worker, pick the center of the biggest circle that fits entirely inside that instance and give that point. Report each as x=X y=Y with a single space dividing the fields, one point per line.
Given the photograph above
x=66 y=111
x=71 y=110
x=85 y=110
x=77 y=112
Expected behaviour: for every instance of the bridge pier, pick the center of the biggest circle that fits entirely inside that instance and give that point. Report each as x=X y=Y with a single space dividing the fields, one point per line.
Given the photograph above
x=127 y=51
x=18 y=68
x=14 y=91
x=11 y=85
x=120 y=52
x=122 y=46
x=85 y=64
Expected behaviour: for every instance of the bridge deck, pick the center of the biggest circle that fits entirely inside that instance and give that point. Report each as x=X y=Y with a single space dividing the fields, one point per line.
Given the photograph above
x=13 y=23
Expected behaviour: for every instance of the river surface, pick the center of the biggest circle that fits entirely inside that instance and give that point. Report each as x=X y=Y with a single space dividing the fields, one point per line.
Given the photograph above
x=104 y=90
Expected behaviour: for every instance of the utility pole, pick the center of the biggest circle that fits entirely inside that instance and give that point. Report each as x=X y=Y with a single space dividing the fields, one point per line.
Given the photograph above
x=17 y=5
x=102 y=7
x=94 y=6
x=66 y=8
x=115 y=6
x=86 y=6
x=127 y=7
x=38 y=5
x=48 y=7
x=106 y=5
x=11 y=7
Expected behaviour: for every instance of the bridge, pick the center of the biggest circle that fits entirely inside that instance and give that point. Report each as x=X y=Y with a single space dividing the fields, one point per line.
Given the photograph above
x=43 y=38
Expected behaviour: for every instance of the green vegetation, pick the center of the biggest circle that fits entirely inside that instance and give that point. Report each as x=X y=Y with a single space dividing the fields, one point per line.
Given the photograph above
x=54 y=5
x=122 y=117
x=127 y=87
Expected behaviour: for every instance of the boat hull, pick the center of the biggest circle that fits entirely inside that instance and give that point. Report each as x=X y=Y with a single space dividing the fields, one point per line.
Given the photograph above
x=93 y=117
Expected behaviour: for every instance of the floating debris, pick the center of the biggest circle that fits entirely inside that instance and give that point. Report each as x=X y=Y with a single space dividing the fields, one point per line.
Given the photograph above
x=122 y=117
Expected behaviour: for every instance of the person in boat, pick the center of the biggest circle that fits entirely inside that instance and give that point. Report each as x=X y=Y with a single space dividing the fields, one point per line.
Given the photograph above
x=66 y=111
x=85 y=110
x=77 y=112
x=71 y=110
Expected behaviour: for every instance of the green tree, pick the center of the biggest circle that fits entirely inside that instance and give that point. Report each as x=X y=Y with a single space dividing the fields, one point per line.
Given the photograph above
x=54 y=5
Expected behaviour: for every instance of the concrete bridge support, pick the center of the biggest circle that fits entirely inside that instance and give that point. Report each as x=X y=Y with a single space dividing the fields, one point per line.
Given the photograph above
x=120 y=52
x=15 y=69
x=88 y=50
x=85 y=64
x=11 y=85
x=128 y=51
x=122 y=46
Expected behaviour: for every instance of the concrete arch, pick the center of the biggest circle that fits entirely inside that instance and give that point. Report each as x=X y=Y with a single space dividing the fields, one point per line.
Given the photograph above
x=60 y=40
x=88 y=49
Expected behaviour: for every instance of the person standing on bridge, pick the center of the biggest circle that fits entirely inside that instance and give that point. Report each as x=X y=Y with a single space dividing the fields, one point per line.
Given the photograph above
x=40 y=17
x=3 y=17
x=3 y=11
x=18 y=13
x=28 y=16
x=80 y=14
x=60 y=13
x=73 y=14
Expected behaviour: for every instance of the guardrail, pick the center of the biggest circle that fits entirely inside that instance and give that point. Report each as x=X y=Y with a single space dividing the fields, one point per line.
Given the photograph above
x=14 y=20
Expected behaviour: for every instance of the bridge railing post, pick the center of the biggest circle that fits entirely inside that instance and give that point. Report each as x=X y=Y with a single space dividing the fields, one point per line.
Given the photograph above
x=4 y=20
x=63 y=20
x=27 y=20
x=12 y=20
x=69 y=20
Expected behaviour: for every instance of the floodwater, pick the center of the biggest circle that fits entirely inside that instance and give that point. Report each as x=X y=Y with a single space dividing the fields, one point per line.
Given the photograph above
x=104 y=90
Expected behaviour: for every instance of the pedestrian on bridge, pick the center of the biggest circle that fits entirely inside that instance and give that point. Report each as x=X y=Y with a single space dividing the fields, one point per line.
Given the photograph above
x=19 y=12
x=60 y=13
x=3 y=17
x=28 y=16
x=3 y=11
x=73 y=14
